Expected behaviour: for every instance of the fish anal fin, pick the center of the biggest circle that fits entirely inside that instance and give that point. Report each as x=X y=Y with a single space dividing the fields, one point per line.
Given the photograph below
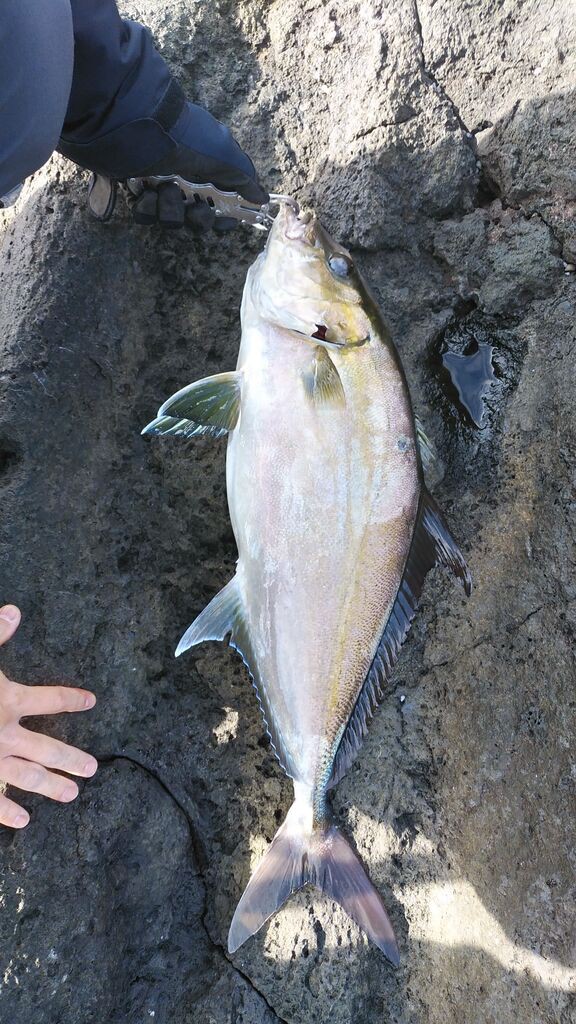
x=218 y=618
x=321 y=379
x=432 y=544
x=224 y=616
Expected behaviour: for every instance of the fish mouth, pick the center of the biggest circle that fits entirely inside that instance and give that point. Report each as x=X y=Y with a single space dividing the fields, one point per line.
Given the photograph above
x=304 y=226
x=319 y=336
x=296 y=225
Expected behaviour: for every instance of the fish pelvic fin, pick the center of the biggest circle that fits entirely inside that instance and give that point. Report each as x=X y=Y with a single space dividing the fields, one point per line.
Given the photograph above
x=432 y=544
x=225 y=616
x=300 y=854
x=209 y=406
x=322 y=381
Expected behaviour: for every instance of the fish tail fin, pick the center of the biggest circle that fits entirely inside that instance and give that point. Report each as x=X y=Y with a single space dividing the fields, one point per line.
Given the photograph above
x=302 y=853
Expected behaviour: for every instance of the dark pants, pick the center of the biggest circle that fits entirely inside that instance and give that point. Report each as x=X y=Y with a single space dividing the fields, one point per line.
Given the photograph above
x=72 y=72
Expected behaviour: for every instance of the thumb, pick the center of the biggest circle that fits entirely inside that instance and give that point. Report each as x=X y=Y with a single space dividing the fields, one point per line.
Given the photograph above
x=9 y=622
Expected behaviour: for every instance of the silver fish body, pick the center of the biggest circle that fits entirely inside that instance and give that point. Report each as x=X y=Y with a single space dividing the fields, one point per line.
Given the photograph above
x=335 y=533
x=323 y=500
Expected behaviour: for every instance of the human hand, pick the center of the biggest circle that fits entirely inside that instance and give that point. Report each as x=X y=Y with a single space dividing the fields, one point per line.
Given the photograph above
x=30 y=760
x=202 y=150
x=205 y=152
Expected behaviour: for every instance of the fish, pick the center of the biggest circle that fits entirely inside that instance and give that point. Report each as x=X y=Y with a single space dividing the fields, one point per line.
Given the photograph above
x=336 y=531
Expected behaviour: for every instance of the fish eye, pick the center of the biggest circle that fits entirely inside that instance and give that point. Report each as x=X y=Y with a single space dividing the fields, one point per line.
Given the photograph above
x=339 y=265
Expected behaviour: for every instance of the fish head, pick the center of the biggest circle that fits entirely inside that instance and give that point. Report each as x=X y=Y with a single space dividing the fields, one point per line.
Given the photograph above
x=307 y=283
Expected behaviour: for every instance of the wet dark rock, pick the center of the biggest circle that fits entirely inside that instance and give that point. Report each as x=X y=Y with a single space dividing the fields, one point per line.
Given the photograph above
x=474 y=365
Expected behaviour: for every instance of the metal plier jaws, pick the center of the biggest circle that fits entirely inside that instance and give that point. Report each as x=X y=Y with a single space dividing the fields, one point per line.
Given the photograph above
x=224 y=204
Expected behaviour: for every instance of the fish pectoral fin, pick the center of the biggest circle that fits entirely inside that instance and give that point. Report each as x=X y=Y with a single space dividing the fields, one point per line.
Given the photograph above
x=432 y=544
x=172 y=426
x=321 y=379
x=209 y=406
x=431 y=462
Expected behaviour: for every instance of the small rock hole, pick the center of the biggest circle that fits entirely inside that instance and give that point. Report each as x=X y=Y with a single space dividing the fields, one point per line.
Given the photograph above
x=9 y=456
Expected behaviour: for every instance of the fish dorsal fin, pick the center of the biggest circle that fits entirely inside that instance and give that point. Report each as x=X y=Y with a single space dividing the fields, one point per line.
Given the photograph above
x=432 y=544
x=225 y=615
x=321 y=379
x=209 y=406
x=431 y=462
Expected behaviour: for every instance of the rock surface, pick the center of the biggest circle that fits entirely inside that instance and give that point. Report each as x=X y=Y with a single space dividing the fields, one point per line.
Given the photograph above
x=437 y=141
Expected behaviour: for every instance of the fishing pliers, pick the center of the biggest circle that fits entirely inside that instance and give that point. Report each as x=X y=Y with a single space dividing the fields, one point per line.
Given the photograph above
x=174 y=203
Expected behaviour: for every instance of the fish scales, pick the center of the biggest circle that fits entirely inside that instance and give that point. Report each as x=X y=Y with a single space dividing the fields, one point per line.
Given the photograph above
x=335 y=532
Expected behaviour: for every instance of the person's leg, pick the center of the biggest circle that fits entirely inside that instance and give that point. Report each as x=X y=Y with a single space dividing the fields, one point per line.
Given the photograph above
x=119 y=78
x=127 y=117
x=120 y=114
x=36 y=59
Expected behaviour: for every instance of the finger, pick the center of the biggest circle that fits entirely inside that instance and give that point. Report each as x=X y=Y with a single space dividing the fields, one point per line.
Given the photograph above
x=230 y=177
x=9 y=622
x=12 y=814
x=34 y=746
x=199 y=217
x=52 y=700
x=145 y=208
x=102 y=193
x=34 y=778
x=171 y=208
x=251 y=189
x=224 y=224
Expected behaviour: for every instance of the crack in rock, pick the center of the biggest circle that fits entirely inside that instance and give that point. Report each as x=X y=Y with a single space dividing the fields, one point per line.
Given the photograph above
x=384 y=124
x=183 y=803
x=512 y=627
x=528 y=214
x=468 y=135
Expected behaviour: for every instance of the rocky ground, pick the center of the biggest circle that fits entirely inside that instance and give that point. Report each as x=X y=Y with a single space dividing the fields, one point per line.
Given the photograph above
x=437 y=141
